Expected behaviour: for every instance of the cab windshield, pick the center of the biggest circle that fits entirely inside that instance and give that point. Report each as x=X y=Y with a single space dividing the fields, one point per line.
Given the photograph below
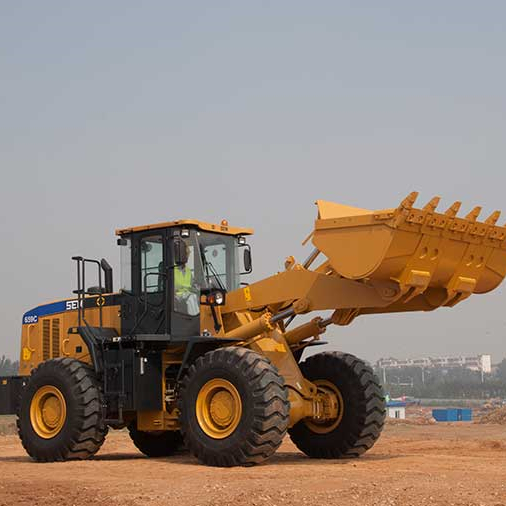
x=212 y=263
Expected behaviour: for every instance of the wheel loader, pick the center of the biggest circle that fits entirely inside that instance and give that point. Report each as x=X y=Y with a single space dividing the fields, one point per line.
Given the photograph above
x=188 y=355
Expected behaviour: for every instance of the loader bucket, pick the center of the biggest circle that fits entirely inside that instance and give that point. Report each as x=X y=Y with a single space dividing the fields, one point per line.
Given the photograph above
x=445 y=256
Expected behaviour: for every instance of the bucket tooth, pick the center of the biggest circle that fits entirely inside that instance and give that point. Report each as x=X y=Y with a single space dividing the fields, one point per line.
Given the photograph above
x=408 y=202
x=493 y=218
x=432 y=204
x=452 y=211
x=473 y=214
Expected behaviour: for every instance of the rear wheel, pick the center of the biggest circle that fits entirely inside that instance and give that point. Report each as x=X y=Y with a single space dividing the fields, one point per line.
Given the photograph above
x=234 y=408
x=156 y=444
x=60 y=413
x=360 y=410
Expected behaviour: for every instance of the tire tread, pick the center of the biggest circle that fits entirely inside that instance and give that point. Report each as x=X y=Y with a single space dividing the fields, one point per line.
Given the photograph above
x=270 y=411
x=369 y=407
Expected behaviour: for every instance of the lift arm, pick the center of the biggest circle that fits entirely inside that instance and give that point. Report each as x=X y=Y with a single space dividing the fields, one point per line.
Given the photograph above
x=392 y=260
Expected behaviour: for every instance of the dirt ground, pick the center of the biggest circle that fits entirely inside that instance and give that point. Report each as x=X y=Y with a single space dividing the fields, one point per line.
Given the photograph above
x=457 y=464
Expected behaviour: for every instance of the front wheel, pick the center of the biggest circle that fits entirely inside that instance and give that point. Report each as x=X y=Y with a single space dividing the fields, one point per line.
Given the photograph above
x=234 y=408
x=361 y=408
x=60 y=413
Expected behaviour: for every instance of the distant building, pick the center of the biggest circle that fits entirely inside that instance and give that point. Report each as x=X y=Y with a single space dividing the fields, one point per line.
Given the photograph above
x=481 y=363
x=396 y=409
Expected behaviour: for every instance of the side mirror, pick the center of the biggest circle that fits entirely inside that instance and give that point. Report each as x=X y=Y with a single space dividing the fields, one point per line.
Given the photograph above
x=180 y=252
x=247 y=260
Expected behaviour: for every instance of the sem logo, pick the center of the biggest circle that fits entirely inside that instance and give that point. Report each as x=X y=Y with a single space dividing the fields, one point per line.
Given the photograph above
x=71 y=305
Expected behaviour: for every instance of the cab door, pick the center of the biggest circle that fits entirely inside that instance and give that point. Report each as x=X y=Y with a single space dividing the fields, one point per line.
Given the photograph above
x=145 y=307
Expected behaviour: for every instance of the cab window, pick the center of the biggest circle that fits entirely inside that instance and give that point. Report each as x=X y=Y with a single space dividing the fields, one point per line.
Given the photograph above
x=152 y=264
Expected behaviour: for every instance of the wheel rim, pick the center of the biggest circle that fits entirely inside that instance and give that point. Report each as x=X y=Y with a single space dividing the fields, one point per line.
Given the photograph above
x=219 y=408
x=48 y=412
x=327 y=426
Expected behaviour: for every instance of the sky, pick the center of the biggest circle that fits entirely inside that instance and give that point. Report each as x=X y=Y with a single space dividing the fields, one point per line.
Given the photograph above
x=120 y=113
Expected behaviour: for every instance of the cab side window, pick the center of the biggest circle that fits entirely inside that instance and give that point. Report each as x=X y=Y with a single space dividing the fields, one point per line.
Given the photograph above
x=151 y=263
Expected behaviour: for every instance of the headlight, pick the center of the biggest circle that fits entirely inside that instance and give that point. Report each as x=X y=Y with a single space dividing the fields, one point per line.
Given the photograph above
x=216 y=298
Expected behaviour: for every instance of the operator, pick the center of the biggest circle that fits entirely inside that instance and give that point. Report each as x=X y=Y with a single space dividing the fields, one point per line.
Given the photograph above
x=184 y=288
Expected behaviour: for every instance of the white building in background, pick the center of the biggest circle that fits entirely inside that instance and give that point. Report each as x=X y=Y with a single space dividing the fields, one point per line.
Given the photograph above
x=481 y=363
x=396 y=409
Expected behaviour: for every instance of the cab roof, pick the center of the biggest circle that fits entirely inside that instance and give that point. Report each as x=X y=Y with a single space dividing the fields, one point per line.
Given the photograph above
x=222 y=228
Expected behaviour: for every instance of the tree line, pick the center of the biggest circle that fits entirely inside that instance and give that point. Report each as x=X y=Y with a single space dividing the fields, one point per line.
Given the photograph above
x=8 y=367
x=441 y=383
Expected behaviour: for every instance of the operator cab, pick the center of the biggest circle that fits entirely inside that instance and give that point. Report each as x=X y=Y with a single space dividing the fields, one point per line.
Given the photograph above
x=167 y=268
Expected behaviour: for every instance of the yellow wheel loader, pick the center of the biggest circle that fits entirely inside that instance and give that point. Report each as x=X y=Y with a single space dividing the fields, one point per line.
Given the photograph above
x=186 y=354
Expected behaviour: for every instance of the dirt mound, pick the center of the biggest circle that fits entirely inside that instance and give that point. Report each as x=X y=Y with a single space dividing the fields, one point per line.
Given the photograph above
x=496 y=416
x=492 y=444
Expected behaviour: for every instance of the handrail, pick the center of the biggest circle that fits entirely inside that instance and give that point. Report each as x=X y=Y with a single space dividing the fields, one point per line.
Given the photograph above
x=81 y=290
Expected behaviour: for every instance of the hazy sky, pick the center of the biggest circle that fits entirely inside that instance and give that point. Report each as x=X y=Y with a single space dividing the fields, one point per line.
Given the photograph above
x=118 y=113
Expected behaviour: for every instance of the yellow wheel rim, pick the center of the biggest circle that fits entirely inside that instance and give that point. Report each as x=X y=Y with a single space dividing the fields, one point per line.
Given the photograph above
x=48 y=411
x=327 y=426
x=219 y=408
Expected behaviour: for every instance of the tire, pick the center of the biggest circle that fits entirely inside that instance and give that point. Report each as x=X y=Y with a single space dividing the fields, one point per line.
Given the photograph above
x=76 y=431
x=258 y=425
x=363 y=408
x=155 y=444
